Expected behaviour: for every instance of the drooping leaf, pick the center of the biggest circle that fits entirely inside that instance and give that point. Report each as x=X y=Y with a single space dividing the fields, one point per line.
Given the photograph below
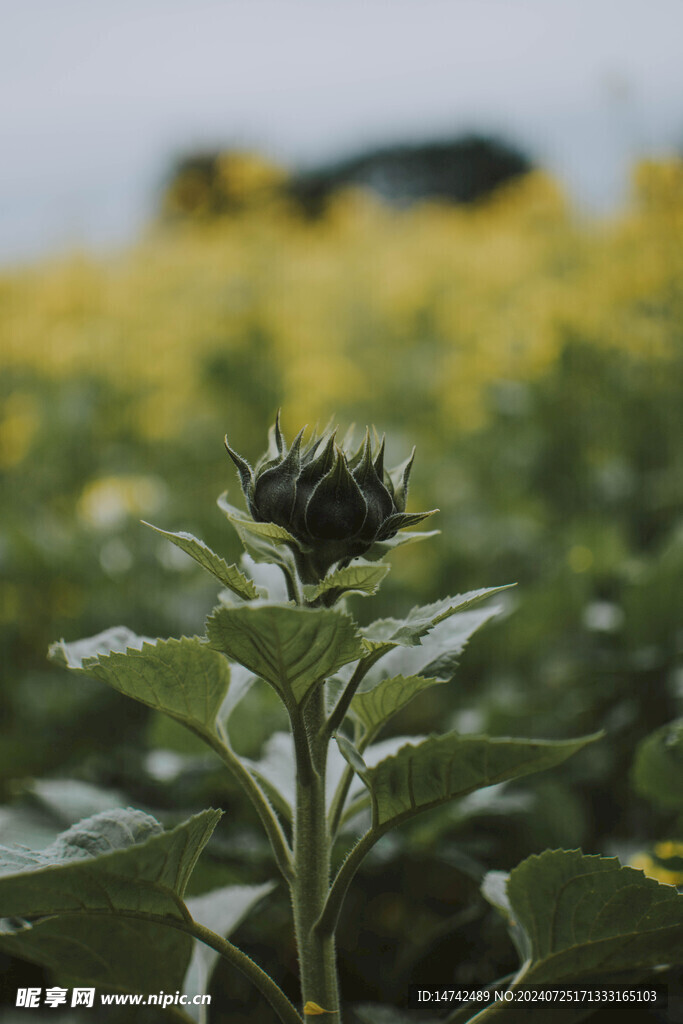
x=376 y=706
x=119 y=860
x=421 y=620
x=291 y=648
x=584 y=915
x=444 y=767
x=186 y=678
x=229 y=575
x=220 y=910
x=361 y=577
x=658 y=766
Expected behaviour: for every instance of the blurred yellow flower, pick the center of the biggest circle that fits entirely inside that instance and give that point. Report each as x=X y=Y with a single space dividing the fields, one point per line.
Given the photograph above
x=447 y=298
x=19 y=422
x=106 y=503
x=580 y=558
x=653 y=867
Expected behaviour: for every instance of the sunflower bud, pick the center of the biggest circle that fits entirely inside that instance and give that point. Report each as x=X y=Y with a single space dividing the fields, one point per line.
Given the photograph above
x=336 y=503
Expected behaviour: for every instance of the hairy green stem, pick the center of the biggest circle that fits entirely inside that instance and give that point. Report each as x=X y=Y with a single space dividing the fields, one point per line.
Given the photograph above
x=317 y=954
x=302 y=745
x=291 y=583
x=285 y=1010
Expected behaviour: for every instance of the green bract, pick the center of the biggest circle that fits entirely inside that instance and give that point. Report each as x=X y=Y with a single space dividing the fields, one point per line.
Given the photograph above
x=334 y=502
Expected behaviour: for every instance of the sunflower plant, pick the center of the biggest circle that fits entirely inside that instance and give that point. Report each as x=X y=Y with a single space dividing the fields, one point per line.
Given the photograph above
x=106 y=901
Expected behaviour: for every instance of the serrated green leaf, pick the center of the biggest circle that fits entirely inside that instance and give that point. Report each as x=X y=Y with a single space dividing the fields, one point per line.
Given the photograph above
x=421 y=620
x=119 y=860
x=293 y=649
x=375 y=650
x=658 y=766
x=117 y=638
x=185 y=678
x=359 y=578
x=442 y=768
x=229 y=575
x=587 y=915
x=114 y=861
x=376 y=706
x=437 y=654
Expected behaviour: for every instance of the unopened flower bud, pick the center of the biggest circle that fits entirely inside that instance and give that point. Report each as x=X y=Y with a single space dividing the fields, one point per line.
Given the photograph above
x=335 y=503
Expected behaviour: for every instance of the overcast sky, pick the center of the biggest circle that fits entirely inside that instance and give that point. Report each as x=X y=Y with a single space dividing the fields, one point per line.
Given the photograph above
x=96 y=96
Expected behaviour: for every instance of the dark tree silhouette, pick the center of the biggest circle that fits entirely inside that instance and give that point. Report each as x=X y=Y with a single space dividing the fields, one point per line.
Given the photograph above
x=461 y=170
